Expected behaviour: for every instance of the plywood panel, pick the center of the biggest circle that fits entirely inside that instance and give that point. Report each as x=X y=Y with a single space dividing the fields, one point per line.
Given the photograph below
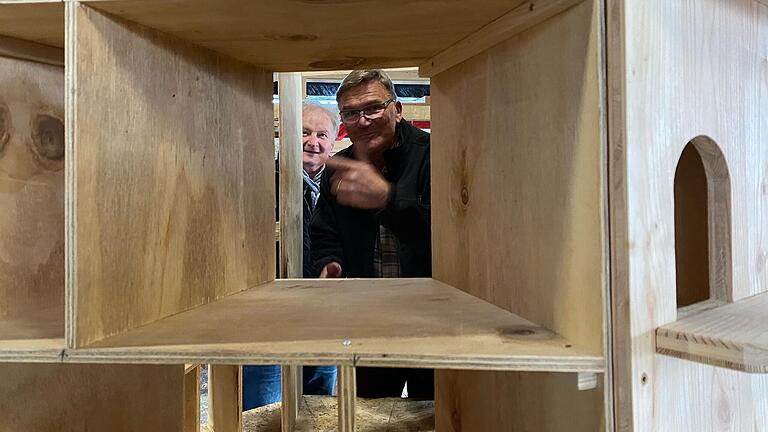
x=517 y=209
x=368 y=322
x=76 y=398
x=691 y=68
x=287 y=35
x=31 y=200
x=225 y=398
x=41 y=22
x=173 y=178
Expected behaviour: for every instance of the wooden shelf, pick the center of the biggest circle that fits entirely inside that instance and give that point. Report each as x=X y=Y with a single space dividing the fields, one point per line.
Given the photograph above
x=36 y=335
x=734 y=336
x=284 y=35
x=41 y=22
x=397 y=323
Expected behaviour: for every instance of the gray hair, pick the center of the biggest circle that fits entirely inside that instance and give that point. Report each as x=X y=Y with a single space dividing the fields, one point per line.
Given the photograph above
x=363 y=76
x=332 y=115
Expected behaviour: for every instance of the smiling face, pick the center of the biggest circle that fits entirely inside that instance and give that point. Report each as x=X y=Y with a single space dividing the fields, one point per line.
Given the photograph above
x=371 y=136
x=317 y=141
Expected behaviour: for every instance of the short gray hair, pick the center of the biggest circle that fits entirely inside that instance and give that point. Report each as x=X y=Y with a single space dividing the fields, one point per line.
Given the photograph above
x=364 y=76
x=332 y=115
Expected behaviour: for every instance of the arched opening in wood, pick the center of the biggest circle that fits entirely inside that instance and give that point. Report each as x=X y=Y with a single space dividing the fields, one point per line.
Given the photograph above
x=702 y=224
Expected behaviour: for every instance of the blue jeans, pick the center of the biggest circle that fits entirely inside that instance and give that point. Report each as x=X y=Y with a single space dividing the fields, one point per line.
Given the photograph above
x=261 y=384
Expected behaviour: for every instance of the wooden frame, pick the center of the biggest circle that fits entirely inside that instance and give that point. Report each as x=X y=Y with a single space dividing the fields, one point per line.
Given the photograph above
x=556 y=127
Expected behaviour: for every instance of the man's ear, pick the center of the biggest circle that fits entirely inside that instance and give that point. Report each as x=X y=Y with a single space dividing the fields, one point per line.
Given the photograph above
x=399 y=108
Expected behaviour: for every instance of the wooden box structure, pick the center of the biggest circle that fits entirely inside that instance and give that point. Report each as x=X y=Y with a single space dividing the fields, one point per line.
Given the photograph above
x=563 y=217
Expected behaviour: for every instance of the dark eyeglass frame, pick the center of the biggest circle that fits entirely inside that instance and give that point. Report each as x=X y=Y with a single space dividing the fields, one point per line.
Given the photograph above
x=370 y=112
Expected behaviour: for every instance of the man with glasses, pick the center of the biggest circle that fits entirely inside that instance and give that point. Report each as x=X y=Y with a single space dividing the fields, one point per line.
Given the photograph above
x=373 y=216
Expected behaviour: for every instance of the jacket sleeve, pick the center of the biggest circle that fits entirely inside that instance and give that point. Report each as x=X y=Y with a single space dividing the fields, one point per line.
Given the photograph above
x=323 y=230
x=408 y=209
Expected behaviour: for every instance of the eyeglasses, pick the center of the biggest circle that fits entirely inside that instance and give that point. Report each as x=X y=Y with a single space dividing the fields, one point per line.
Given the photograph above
x=370 y=112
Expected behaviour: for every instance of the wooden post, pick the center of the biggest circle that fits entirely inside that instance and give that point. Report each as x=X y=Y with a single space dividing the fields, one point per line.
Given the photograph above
x=225 y=398
x=192 y=398
x=291 y=224
x=347 y=390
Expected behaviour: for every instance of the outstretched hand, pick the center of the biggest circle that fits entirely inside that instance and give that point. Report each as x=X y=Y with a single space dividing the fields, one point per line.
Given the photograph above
x=358 y=184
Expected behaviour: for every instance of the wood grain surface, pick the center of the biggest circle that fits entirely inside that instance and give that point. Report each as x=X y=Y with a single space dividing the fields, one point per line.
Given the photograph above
x=365 y=322
x=285 y=35
x=32 y=202
x=76 y=398
x=710 y=79
x=173 y=177
x=518 y=220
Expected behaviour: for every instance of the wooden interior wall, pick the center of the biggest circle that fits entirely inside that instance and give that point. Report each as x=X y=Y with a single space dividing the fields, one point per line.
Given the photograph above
x=76 y=398
x=173 y=178
x=517 y=163
x=31 y=197
x=691 y=229
x=691 y=68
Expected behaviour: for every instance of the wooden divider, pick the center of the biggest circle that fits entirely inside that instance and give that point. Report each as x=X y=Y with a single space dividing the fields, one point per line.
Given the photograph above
x=676 y=77
x=74 y=398
x=225 y=398
x=192 y=383
x=172 y=197
x=518 y=155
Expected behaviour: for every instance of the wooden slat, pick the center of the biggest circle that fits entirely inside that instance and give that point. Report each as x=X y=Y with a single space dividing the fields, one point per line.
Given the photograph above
x=347 y=390
x=290 y=393
x=181 y=164
x=518 y=212
x=225 y=398
x=261 y=33
x=733 y=336
x=119 y=398
x=31 y=51
x=36 y=21
x=519 y=19
x=291 y=218
x=192 y=398
x=31 y=207
x=403 y=322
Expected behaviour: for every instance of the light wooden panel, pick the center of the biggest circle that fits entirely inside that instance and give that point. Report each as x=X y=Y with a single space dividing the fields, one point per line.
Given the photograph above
x=683 y=77
x=31 y=201
x=517 y=210
x=192 y=398
x=225 y=398
x=347 y=388
x=733 y=336
x=173 y=181
x=76 y=398
x=41 y=22
x=368 y=322
x=519 y=19
x=295 y=35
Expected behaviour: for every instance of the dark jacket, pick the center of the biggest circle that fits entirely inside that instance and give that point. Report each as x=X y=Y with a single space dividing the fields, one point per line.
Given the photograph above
x=347 y=235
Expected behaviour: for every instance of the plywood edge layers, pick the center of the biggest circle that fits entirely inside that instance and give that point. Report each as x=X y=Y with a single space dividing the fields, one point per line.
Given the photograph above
x=513 y=22
x=618 y=218
x=31 y=51
x=733 y=336
x=173 y=161
x=70 y=179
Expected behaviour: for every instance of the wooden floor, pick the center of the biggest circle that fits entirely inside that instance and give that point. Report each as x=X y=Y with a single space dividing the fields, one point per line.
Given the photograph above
x=318 y=414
